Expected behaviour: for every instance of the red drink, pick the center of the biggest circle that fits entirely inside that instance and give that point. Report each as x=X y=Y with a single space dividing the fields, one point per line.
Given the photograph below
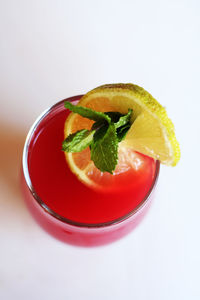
x=64 y=206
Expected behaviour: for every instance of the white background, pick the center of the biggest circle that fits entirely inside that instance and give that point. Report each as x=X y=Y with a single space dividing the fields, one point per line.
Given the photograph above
x=51 y=50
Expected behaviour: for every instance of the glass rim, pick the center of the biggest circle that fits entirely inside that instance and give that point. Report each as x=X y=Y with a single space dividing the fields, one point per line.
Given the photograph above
x=48 y=209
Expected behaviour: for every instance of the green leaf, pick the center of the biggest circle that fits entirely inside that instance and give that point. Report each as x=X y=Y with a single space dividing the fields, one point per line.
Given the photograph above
x=122 y=131
x=99 y=134
x=87 y=112
x=99 y=124
x=78 y=141
x=114 y=115
x=125 y=119
x=104 y=149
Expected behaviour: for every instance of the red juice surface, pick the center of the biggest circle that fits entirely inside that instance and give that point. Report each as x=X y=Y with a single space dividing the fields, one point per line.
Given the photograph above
x=62 y=192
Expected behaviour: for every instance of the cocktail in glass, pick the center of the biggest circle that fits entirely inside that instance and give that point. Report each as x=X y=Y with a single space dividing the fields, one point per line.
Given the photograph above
x=64 y=206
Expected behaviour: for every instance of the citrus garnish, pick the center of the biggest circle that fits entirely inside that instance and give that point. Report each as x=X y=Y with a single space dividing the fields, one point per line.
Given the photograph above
x=151 y=131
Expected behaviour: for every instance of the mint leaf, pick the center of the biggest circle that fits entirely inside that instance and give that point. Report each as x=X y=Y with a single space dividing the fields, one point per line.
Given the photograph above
x=99 y=134
x=125 y=119
x=104 y=149
x=78 y=141
x=99 y=124
x=114 y=115
x=87 y=112
x=122 y=131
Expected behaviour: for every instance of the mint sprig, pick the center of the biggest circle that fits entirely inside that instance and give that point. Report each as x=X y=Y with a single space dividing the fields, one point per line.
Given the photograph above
x=109 y=129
